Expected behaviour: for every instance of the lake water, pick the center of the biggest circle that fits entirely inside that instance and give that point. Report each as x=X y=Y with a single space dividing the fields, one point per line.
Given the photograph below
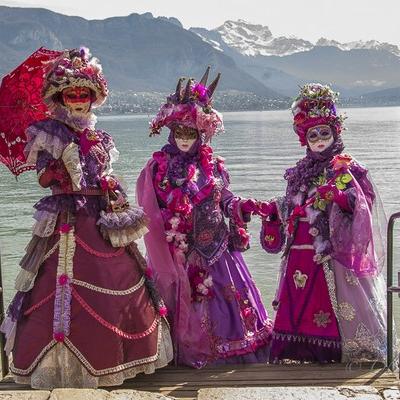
x=257 y=146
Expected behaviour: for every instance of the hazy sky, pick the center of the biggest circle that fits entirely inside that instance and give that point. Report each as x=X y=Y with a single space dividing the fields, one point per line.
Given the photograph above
x=342 y=20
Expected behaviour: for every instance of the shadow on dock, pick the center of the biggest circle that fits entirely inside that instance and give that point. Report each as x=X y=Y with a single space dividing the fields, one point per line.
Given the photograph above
x=183 y=383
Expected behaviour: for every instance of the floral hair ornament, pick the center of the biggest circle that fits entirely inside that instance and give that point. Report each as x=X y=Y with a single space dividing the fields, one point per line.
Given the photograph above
x=191 y=106
x=75 y=68
x=316 y=105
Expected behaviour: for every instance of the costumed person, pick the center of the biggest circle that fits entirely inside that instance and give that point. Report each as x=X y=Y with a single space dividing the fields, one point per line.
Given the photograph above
x=214 y=307
x=330 y=302
x=85 y=313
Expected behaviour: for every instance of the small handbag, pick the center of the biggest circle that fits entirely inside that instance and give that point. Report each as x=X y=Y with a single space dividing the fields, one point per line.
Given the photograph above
x=272 y=237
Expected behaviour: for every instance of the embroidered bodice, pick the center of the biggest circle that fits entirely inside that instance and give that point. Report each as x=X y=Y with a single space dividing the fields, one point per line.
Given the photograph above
x=194 y=210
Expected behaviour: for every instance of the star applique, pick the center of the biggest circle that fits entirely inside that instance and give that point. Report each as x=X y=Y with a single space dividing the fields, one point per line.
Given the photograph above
x=322 y=319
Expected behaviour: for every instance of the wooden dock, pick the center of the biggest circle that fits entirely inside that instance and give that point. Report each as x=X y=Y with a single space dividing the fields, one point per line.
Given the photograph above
x=183 y=383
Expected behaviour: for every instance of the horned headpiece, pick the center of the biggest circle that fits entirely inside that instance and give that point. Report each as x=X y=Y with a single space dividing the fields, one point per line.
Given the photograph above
x=191 y=105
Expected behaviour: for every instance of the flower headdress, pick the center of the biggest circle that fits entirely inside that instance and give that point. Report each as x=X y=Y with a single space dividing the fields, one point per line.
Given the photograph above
x=75 y=68
x=315 y=105
x=192 y=107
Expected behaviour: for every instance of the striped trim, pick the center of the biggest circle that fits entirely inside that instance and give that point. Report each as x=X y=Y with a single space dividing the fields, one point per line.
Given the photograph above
x=27 y=371
x=96 y=253
x=110 y=291
x=51 y=251
x=318 y=341
x=118 y=368
x=40 y=303
x=108 y=325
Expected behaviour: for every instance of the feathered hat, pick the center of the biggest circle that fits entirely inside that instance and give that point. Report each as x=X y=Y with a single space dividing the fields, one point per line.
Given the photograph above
x=75 y=68
x=191 y=105
x=315 y=105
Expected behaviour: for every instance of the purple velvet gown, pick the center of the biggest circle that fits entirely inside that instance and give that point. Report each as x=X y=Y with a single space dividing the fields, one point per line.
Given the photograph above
x=84 y=314
x=229 y=324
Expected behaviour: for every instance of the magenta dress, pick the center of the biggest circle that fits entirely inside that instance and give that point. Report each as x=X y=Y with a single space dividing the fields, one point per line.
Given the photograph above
x=84 y=314
x=305 y=326
x=330 y=301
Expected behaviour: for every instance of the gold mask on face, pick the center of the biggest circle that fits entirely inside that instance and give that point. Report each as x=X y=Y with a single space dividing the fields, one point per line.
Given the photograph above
x=185 y=137
x=184 y=132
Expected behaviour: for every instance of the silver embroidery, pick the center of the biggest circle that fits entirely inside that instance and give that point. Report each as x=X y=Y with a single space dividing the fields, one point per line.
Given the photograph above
x=351 y=279
x=365 y=346
x=35 y=362
x=377 y=305
x=330 y=281
x=347 y=311
x=306 y=339
x=51 y=251
x=109 y=291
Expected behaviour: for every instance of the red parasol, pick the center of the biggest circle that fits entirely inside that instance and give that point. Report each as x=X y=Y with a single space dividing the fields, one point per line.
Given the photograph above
x=21 y=104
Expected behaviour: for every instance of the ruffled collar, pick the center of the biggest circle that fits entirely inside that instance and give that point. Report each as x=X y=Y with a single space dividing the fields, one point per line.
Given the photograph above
x=79 y=123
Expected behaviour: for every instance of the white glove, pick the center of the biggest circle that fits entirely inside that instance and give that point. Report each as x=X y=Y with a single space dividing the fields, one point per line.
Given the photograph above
x=70 y=157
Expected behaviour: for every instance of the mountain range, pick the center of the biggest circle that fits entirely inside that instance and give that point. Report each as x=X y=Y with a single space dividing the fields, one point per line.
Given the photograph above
x=141 y=53
x=283 y=63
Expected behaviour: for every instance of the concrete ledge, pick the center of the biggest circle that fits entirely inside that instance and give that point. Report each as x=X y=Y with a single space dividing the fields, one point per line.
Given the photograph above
x=299 y=393
x=251 y=393
x=137 y=395
x=100 y=394
x=391 y=394
x=80 y=394
x=25 y=395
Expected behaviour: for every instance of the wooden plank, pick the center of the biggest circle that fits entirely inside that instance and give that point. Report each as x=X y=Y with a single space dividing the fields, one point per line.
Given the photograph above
x=275 y=367
x=366 y=374
x=362 y=375
x=184 y=382
x=284 y=382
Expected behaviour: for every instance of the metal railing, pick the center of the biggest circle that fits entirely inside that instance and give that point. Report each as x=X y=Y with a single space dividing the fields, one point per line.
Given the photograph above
x=390 y=288
x=4 y=358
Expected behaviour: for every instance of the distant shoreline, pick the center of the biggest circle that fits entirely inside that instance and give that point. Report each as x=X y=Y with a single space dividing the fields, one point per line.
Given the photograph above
x=150 y=114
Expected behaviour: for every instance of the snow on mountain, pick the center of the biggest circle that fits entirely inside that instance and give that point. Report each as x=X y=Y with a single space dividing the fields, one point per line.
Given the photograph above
x=253 y=40
x=257 y=40
x=369 y=45
x=214 y=43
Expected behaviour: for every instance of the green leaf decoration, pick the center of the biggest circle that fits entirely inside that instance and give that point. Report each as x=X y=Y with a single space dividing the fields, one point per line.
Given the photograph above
x=320 y=204
x=346 y=178
x=340 y=185
x=342 y=180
